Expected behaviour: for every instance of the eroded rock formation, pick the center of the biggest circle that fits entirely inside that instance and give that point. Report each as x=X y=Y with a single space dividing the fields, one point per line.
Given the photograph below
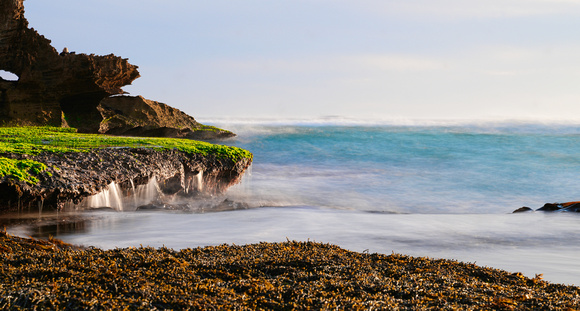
x=53 y=89
x=137 y=116
x=69 y=89
x=73 y=176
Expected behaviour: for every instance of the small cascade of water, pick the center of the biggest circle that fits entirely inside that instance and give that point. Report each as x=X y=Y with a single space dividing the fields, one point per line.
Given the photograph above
x=134 y=192
x=113 y=197
x=110 y=197
x=40 y=206
x=145 y=194
x=194 y=182
x=199 y=181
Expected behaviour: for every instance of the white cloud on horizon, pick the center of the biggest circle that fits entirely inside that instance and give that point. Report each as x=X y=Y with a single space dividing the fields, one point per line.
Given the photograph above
x=497 y=59
x=330 y=63
x=461 y=9
x=398 y=62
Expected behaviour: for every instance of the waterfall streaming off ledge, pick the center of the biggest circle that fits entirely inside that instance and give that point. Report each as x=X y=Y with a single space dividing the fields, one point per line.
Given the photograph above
x=195 y=183
x=114 y=197
x=199 y=181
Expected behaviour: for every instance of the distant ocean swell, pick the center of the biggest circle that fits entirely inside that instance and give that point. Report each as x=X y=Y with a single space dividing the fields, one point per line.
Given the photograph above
x=544 y=126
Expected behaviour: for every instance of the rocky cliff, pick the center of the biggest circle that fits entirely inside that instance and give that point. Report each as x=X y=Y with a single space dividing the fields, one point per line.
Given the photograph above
x=68 y=89
x=53 y=89
x=50 y=167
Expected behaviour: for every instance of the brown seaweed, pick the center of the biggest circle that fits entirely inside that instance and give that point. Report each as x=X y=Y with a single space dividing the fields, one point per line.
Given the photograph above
x=50 y=274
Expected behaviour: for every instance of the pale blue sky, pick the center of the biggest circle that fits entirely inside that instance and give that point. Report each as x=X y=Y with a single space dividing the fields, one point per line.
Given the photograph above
x=426 y=59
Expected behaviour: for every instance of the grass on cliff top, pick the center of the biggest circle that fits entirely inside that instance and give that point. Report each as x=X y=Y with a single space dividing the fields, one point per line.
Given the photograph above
x=34 y=140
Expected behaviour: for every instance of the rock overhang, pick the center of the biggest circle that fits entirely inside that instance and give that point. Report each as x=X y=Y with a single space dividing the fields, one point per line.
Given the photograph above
x=69 y=89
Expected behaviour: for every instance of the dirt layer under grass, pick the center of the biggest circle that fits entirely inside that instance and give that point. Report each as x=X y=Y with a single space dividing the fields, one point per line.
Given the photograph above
x=282 y=276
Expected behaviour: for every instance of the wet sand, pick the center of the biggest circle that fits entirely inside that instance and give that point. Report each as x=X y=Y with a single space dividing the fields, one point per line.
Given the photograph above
x=50 y=274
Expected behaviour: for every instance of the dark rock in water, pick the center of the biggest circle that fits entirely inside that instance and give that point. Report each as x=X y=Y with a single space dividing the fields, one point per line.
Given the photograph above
x=177 y=207
x=102 y=208
x=70 y=89
x=164 y=207
x=571 y=207
x=158 y=205
x=550 y=207
x=228 y=205
x=554 y=207
x=523 y=209
x=150 y=207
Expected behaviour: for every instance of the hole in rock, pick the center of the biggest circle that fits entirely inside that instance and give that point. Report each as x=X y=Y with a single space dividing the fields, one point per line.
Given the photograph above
x=9 y=76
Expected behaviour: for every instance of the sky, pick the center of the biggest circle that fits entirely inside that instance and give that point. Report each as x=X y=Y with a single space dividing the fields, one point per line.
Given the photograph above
x=364 y=59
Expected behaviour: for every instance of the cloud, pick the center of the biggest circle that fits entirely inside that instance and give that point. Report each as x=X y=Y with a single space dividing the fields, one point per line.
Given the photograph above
x=461 y=9
x=502 y=72
x=333 y=64
x=395 y=62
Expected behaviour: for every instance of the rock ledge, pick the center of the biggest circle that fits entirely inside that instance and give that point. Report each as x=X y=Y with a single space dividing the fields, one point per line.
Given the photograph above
x=72 y=176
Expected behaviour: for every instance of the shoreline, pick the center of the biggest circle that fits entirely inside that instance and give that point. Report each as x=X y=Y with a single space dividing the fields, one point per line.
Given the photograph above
x=494 y=240
x=52 y=274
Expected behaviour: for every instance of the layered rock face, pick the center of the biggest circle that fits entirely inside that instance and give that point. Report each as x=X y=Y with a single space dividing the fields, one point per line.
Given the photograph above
x=70 y=177
x=69 y=89
x=53 y=89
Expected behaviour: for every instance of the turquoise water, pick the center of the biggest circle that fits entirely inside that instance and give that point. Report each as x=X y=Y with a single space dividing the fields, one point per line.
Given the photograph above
x=416 y=169
x=444 y=191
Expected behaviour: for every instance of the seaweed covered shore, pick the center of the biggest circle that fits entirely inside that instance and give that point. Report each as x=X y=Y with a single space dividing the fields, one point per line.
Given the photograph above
x=50 y=274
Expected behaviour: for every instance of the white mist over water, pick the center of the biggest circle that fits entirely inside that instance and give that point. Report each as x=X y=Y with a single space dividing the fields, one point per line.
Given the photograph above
x=249 y=127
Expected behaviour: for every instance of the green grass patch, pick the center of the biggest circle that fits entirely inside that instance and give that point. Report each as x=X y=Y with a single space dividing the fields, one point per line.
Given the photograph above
x=24 y=170
x=210 y=128
x=34 y=140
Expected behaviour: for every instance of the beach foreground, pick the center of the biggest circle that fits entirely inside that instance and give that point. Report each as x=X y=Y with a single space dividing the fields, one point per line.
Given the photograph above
x=291 y=275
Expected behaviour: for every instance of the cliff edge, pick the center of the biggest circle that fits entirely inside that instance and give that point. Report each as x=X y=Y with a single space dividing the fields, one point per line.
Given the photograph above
x=54 y=167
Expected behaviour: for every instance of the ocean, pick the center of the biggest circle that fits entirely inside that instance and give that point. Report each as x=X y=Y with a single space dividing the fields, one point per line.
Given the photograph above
x=430 y=189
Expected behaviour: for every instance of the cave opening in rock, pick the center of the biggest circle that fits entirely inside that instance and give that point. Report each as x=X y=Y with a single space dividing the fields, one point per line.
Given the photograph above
x=81 y=112
x=8 y=76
